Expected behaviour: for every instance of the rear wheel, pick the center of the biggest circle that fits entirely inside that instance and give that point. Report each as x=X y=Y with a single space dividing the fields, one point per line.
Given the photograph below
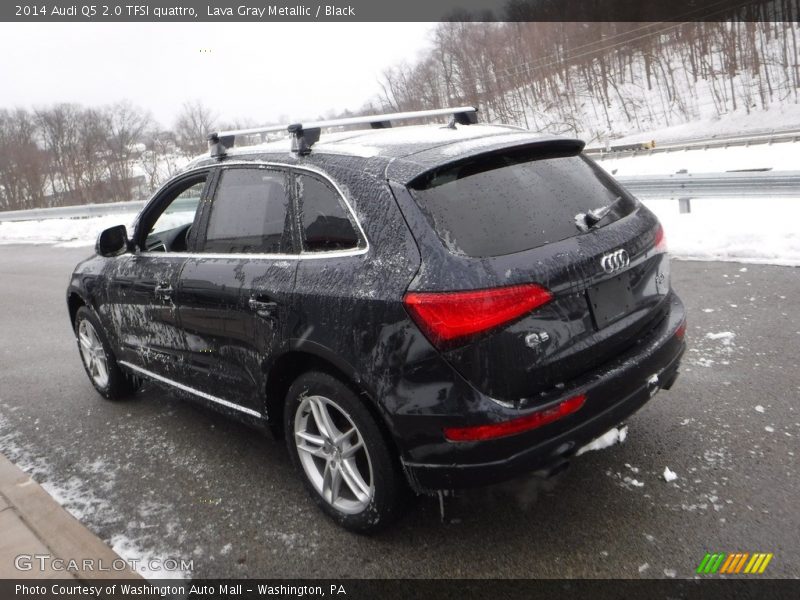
x=98 y=359
x=341 y=453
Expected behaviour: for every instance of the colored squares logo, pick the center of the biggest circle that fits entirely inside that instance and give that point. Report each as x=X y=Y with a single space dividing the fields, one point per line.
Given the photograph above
x=735 y=563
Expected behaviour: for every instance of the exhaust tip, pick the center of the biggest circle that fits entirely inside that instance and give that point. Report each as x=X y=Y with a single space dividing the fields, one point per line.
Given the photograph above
x=553 y=469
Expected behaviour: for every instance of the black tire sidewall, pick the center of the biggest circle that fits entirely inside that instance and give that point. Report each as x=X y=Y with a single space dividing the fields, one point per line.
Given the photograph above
x=390 y=488
x=120 y=385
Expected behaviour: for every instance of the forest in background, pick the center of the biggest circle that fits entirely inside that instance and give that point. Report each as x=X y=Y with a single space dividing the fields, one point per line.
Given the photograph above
x=69 y=154
x=596 y=81
x=601 y=80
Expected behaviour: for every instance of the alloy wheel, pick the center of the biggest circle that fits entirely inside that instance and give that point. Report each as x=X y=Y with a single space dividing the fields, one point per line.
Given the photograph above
x=93 y=353
x=333 y=454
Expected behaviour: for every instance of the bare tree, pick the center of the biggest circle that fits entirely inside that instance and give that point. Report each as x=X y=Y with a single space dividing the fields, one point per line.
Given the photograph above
x=192 y=126
x=22 y=162
x=126 y=127
x=159 y=160
x=604 y=76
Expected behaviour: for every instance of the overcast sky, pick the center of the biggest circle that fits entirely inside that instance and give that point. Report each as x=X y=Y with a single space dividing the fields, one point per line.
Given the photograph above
x=259 y=71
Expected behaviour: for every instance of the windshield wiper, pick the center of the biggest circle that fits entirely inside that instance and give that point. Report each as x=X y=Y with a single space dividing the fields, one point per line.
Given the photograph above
x=585 y=221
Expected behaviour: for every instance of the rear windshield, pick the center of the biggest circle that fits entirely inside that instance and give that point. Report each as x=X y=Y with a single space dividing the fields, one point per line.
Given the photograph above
x=506 y=203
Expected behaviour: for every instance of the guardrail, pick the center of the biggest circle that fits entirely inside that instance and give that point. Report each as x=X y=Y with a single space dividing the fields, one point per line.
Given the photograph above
x=71 y=212
x=85 y=211
x=654 y=147
x=784 y=184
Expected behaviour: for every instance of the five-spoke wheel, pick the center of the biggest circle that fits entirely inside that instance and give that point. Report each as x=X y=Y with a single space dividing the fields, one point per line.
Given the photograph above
x=92 y=353
x=98 y=358
x=333 y=454
x=343 y=452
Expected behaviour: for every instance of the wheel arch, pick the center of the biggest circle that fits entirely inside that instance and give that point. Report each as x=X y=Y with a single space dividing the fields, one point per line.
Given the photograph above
x=309 y=357
x=74 y=302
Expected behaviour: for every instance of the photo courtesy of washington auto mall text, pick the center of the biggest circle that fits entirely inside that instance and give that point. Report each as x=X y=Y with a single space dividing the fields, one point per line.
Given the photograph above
x=376 y=299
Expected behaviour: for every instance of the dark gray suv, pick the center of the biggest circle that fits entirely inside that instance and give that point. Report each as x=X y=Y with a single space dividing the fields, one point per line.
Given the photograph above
x=415 y=308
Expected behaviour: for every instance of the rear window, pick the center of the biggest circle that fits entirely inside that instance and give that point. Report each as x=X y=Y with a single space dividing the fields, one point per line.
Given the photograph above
x=507 y=203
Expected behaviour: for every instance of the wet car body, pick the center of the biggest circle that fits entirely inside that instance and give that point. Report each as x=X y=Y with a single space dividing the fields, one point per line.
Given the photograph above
x=234 y=330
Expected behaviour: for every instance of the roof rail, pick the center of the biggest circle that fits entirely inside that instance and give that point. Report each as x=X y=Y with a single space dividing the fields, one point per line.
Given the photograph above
x=304 y=135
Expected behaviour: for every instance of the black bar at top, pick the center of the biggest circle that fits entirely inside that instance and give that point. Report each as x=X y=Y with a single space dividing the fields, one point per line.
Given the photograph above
x=398 y=10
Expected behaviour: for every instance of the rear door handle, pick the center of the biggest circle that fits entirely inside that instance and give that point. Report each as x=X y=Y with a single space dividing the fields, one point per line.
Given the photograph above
x=163 y=291
x=263 y=308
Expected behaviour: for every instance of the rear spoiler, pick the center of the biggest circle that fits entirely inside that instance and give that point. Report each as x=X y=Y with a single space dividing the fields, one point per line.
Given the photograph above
x=525 y=151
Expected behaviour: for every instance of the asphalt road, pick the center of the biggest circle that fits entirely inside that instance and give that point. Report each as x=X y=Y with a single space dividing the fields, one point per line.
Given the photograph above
x=168 y=478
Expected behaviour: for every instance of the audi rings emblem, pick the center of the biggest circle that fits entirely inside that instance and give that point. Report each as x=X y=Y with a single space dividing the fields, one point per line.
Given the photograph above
x=614 y=261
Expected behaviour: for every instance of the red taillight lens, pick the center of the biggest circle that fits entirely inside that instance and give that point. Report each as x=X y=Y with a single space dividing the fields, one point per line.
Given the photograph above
x=661 y=241
x=447 y=316
x=532 y=421
x=680 y=332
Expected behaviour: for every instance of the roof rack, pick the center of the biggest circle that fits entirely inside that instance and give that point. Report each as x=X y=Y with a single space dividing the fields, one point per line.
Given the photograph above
x=304 y=135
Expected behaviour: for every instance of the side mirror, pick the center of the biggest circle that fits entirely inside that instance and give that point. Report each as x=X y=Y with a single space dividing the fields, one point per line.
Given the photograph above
x=113 y=241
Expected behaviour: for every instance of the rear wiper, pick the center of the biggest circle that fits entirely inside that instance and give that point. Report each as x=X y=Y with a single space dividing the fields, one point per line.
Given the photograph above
x=585 y=221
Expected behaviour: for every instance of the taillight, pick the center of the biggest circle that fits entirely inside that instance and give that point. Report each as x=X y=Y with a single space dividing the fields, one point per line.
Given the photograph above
x=449 y=316
x=477 y=433
x=680 y=332
x=661 y=241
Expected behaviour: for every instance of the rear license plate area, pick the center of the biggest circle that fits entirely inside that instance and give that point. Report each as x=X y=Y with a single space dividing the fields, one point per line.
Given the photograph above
x=611 y=300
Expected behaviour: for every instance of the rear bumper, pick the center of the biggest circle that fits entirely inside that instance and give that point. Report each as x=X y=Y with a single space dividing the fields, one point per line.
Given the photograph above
x=614 y=392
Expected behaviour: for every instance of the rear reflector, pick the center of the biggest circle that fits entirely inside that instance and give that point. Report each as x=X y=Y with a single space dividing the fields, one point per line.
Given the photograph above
x=447 y=316
x=661 y=241
x=680 y=332
x=514 y=426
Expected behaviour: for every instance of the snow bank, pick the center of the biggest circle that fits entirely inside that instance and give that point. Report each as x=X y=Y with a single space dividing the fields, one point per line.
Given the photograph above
x=609 y=438
x=775 y=157
x=75 y=233
x=750 y=230
x=778 y=117
x=61 y=232
x=759 y=230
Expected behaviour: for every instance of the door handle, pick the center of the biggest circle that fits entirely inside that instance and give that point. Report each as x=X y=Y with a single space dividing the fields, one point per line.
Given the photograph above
x=263 y=308
x=163 y=291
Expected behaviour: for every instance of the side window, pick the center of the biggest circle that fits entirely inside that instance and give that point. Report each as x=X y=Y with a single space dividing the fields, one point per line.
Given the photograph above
x=249 y=213
x=170 y=230
x=324 y=221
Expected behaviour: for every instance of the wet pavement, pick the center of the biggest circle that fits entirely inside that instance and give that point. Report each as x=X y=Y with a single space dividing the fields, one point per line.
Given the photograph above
x=160 y=476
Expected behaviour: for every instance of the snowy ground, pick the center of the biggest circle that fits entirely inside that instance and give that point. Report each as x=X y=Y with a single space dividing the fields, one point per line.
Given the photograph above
x=779 y=117
x=783 y=156
x=749 y=230
x=762 y=230
x=87 y=503
x=758 y=230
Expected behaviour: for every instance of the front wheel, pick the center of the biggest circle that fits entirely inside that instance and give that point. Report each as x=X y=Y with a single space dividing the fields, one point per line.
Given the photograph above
x=342 y=454
x=98 y=359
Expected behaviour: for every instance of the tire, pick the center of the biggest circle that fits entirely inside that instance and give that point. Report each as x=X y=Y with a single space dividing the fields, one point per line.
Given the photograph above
x=371 y=489
x=98 y=359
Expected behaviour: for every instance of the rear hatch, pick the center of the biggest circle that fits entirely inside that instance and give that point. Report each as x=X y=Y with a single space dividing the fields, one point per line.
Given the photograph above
x=537 y=267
